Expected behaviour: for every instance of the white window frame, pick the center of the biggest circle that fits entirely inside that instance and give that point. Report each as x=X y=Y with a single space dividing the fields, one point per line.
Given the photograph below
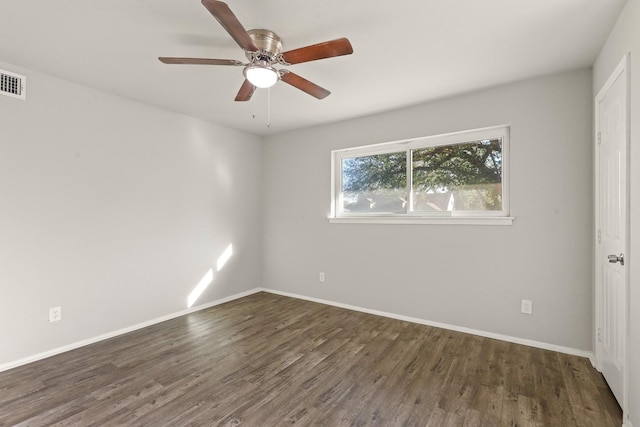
x=413 y=217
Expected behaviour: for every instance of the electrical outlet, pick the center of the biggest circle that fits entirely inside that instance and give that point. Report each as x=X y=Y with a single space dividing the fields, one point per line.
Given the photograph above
x=321 y=277
x=526 y=307
x=55 y=314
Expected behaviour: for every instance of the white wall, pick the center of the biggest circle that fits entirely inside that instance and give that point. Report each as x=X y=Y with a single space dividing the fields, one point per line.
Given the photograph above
x=115 y=210
x=625 y=38
x=469 y=276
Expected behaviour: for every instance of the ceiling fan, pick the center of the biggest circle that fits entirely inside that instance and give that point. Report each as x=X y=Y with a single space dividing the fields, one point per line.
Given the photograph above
x=263 y=49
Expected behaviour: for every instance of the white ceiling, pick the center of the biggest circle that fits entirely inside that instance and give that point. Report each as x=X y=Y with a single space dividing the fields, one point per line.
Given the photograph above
x=405 y=51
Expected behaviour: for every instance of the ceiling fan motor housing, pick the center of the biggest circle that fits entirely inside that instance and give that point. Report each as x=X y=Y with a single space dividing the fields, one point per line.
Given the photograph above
x=268 y=42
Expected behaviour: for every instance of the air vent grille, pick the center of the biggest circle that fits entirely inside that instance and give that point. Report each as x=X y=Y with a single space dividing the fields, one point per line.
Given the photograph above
x=12 y=84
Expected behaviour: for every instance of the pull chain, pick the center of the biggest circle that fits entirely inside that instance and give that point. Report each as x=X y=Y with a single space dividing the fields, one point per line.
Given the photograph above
x=253 y=107
x=269 y=107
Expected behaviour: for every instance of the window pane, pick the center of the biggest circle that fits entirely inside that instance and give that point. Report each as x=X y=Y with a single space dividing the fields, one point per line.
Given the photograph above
x=375 y=183
x=459 y=177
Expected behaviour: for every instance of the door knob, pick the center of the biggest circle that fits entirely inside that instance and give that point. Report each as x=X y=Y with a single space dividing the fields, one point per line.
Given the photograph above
x=616 y=258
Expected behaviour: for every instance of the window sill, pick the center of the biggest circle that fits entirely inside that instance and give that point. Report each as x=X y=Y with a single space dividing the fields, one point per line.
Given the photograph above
x=460 y=220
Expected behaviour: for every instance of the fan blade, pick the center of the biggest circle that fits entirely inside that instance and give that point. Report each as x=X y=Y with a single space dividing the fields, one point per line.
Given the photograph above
x=246 y=91
x=328 y=49
x=198 y=61
x=304 y=85
x=229 y=22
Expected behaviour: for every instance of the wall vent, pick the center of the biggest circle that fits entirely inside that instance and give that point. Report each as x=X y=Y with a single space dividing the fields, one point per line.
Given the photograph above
x=12 y=84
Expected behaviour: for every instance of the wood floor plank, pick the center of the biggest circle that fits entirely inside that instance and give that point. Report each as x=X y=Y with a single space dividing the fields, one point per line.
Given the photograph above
x=267 y=360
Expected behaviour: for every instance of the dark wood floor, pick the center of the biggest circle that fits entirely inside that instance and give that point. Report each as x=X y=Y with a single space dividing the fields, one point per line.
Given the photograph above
x=268 y=360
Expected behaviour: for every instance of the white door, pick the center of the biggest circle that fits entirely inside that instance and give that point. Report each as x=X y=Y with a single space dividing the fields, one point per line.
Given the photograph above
x=612 y=230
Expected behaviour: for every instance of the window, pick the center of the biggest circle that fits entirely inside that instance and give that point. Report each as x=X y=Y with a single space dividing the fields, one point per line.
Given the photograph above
x=459 y=178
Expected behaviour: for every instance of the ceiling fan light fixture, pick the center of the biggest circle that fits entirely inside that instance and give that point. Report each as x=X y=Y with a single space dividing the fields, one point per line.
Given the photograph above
x=263 y=48
x=261 y=75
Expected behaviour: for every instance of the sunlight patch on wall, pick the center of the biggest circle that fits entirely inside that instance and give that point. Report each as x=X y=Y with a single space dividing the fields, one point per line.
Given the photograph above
x=222 y=259
x=200 y=287
x=204 y=283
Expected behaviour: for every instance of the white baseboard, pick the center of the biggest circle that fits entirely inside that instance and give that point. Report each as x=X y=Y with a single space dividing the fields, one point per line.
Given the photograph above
x=516 y=340
x=592 y=359
x=501 y=337
x=78 y=344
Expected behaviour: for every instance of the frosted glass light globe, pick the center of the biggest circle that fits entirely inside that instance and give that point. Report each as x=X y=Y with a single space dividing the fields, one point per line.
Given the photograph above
x=261 y=76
